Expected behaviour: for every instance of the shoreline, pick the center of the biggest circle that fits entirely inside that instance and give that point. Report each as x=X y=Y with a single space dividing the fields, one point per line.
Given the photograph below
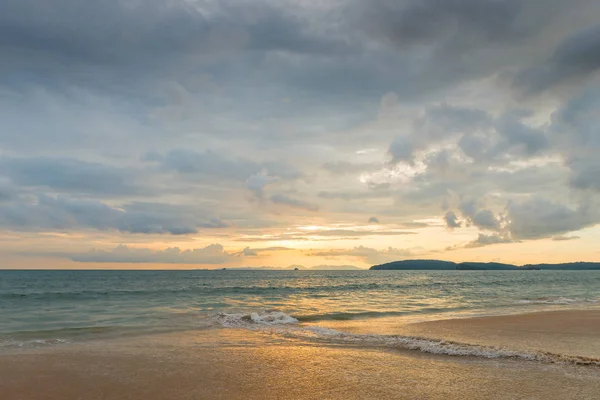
x=572 y=332
x=253 y=364
x=246 y=364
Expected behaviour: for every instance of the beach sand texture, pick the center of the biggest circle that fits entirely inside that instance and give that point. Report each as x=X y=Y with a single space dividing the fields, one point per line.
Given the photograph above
x=246 y=364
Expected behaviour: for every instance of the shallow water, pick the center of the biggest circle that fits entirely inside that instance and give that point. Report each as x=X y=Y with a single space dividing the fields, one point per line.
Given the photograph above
x=47 y=307
x=53 y=307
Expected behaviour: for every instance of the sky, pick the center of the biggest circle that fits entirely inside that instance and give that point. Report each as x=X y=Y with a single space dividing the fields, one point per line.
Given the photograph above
x=212 y=134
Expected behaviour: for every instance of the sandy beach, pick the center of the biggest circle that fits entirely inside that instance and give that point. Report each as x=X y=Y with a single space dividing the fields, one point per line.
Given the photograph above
x=574 y=333
x=243 y=364
x=570 y=332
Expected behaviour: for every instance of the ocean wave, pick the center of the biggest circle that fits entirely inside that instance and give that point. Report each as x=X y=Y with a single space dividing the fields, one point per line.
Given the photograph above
x=556 y=300
x=261 y=318
x=432 y=346
x=17 y=344
x=344 y=316
x=279 y=323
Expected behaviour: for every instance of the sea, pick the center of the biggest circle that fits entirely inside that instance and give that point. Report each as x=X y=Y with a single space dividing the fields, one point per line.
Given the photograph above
x=57 y=308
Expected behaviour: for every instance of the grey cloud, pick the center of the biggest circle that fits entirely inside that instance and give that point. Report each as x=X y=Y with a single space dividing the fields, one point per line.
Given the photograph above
x=457 y=40
x=468 y=207
x=441 y=122
x=575 y=122
x=486 y=240
x=257 y=182
x=7 y=191
x=373 y=220
x=212 y=254
x=415 y=22
x=585 y=174
x=69 y=175
x=451 y=220
x=480 y=136
x=206 y=163
x=564 y=238
x=577 y=57
x=485 y=219
x=476 y=146
x=538 y=218
x=298 y=84
x=294 y=203
x=65 y=214
x=575 y=133
x=455 y=119
x=153 y=29
x=515 y=133
x=215 y=165
x=481 y=218
x=401 y=149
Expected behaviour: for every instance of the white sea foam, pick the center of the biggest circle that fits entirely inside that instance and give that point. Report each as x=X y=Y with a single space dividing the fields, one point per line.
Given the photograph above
x=262 y=318
x=278 y=323
x=557 y=300
x=12 y=343
x=431 y=346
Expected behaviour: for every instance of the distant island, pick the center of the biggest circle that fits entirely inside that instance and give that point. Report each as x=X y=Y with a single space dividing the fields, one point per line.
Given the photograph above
x=438 y=265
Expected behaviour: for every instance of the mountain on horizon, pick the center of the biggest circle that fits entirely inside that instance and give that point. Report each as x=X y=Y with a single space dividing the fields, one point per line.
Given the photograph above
x=439 y=265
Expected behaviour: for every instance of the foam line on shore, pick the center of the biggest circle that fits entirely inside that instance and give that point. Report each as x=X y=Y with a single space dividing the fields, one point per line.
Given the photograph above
x=279 y=323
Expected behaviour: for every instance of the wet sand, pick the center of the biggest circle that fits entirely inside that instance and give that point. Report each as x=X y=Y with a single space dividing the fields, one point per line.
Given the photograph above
x=569 y=332
x=574 y=333
x=241 y=364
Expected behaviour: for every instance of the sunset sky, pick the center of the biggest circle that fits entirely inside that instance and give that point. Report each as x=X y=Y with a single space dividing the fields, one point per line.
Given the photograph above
x=211 y=134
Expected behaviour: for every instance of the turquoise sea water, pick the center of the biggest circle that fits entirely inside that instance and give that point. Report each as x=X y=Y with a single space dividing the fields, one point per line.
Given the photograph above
x=47 y=307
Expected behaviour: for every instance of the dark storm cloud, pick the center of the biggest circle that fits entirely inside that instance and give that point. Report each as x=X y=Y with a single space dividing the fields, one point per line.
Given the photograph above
x=118 y=45
x=456 y=40
x=431 y=21
x=116 y=31
x=574 y=59
x=128 y=47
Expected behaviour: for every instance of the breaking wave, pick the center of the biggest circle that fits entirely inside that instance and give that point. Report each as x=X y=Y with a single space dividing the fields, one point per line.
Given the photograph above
x=435 y=346
x=7 y=343
x=279 y=323
x=261 y=318
x=556 y=300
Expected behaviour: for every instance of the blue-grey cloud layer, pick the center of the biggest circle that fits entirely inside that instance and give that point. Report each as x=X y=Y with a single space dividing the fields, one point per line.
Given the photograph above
x=177 y=117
